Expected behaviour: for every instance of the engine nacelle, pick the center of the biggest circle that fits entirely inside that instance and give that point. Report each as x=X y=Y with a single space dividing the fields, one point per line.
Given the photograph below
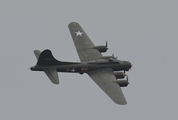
x=101 y=48
x=122 y=83
x=119 y=75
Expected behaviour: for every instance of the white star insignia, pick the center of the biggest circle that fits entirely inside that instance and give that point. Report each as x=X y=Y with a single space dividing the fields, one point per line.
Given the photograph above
x=78 y=33
x=73 y=70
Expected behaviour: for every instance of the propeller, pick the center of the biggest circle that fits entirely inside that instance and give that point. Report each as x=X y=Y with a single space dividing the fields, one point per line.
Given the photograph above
x=127 y=78
x=106 y=43
x=114 y=56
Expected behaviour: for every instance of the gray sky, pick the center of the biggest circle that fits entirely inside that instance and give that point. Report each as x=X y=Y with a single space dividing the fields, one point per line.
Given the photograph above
x=141 y=31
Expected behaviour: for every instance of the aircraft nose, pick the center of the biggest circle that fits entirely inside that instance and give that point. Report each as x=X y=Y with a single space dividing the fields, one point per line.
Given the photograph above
x=131 y=65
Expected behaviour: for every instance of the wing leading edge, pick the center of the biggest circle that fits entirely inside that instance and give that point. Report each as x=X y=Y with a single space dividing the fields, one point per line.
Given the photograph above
x=106 y=81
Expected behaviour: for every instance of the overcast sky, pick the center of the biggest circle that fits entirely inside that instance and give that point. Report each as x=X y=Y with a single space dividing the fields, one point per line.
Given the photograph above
x=144 y=32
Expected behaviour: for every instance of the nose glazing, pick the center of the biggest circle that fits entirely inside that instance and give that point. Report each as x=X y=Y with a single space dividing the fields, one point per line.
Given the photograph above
x=131 y=65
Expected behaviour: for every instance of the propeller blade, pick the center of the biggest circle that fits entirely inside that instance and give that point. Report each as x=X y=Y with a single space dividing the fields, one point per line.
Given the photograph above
x=106 y=43
x=114 y=56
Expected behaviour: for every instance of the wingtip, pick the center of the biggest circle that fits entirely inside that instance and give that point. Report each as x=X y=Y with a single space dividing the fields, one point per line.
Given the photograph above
x=73 y=24
x=121 y=103
x=56 y=82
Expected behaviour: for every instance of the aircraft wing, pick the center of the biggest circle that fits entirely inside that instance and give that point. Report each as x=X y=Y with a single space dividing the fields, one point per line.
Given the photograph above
x=105 y=79
x=83 y=43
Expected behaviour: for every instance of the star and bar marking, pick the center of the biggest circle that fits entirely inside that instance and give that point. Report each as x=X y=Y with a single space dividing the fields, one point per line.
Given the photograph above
x=73 y=70
x=79 y=33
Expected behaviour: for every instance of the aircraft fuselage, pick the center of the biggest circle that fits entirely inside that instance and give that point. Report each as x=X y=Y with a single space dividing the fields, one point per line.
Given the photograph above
x=87 y=67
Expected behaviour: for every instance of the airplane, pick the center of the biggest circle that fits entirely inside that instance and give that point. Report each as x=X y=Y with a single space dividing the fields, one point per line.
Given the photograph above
x=104 y=70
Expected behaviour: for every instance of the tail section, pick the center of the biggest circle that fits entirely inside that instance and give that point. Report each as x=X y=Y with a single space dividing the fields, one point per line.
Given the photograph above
x=37 y=53
x=52 y=75
x=47 y=60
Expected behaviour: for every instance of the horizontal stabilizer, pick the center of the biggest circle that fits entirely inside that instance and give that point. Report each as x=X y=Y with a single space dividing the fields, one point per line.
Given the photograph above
x=37 y=53
x=52 y=75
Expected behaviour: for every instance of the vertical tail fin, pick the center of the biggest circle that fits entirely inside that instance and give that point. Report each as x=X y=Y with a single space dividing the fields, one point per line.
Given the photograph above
x=46 y=58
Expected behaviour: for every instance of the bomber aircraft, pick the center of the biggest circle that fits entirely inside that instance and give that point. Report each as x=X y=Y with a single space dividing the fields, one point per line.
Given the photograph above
x=104 y=70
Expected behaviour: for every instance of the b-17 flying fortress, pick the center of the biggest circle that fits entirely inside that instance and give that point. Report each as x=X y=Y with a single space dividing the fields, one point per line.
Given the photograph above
x=104 y=70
